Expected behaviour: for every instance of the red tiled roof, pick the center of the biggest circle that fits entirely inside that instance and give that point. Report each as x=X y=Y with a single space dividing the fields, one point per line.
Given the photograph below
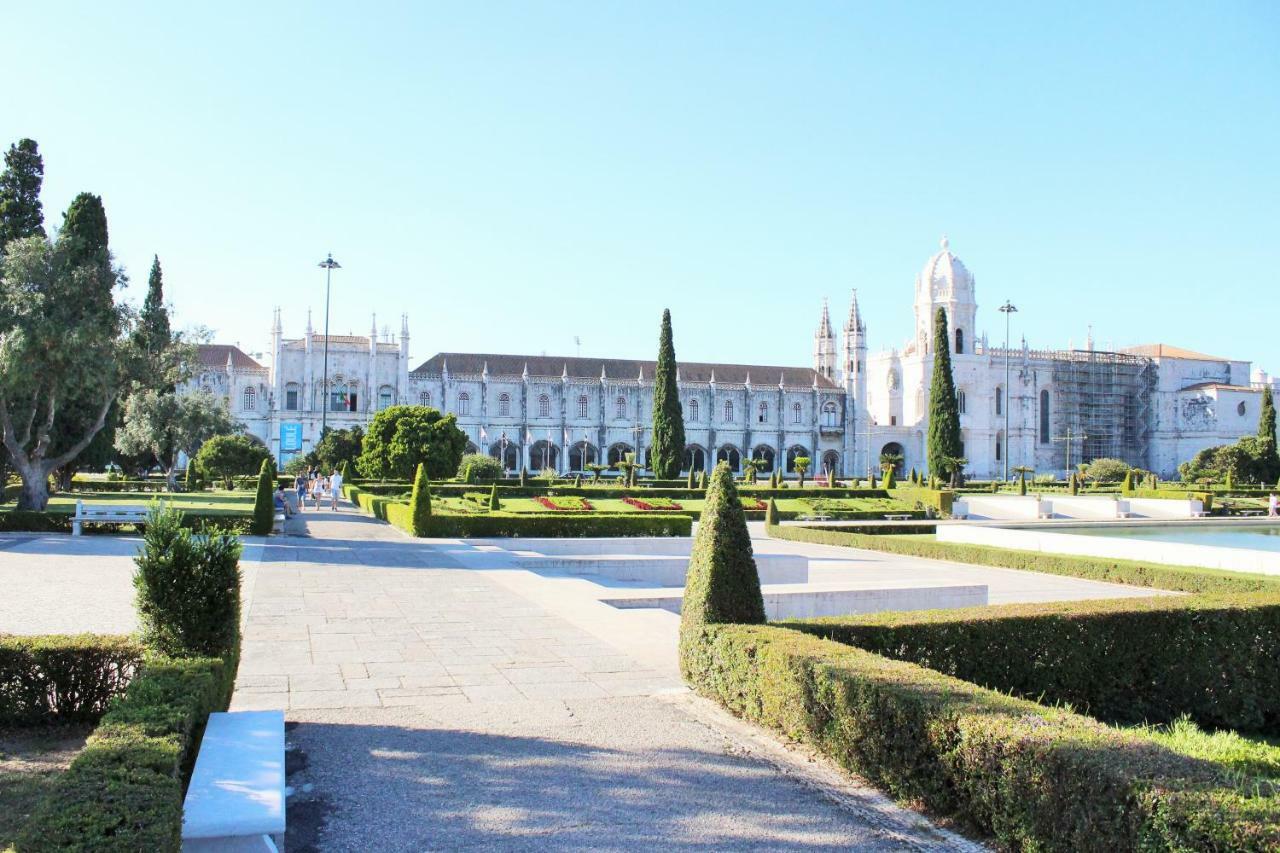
x=215 y=355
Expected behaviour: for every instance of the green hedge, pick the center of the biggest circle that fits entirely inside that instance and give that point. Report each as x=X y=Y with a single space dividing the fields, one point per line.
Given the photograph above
x=63 y=679
x=59 y=521
x=1146 y=660
x=124 y=790
x=540 y=525
x=510 y=488
x=1205 y=498
x=1134 y=573
x=1034 y=777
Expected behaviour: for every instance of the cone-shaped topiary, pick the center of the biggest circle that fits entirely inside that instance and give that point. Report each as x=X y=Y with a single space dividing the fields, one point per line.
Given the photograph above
x=524 y=475
x=771 y=514
x=831 y=478
x=889 y=481
x=871 y=481
x=667 y=449
x=722 y=584
x=264 y=509
x=191 y=482
x=690 y=481
x=702 y=480
x=345 y=470
x=420 y=502
x=577 y=481
x=494 y=503
x=1127 y=486
x=1073 y=485
x=1230 y=482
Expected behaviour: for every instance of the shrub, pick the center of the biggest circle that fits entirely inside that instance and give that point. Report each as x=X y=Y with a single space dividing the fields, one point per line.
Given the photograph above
x=771 y=514
x=722 y=583
x=226 y=457
x=124 y=790
x=479 y=466
x=546 y=525
x=187 y=589
x=264 y=507
x=1125 y=660
x=1105 y=470
x=1036 y=778
x=191 y=480
x=420 y=503
x=494 y=503
x=63 y=679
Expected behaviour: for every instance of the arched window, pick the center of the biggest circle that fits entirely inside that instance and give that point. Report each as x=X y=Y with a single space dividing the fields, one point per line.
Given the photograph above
x=292 y=392
x=796 y=412
x=695 y=458
x=794 y=453
x=830 y=414
x=386 y=396
x=729 y=454
x=620 y=407
x=763 y=415
x=960 y=402
x=959 y=340
x=341 y=398
x=999 y=401
x=464 y=403
x=830 y=461
x=544 y=406
x=728 y=411
x=504 y=405
x=1044 y=417
x=582 y=406
x=424 y=399
x=693 y=410
x=250 y=400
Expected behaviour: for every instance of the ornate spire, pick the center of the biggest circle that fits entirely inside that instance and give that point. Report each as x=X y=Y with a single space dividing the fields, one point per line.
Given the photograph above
x=309 y=331
x=602 y=374
x=747 y=383
x=564 y=373
x=824 y=324
x=854 y=323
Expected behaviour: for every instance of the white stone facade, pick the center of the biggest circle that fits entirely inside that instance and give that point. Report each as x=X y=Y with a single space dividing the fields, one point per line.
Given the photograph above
x=1153 y=405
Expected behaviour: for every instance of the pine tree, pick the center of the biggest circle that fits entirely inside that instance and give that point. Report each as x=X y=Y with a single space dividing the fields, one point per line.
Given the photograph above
x=722 y=584
x=264 y=507
x=944 y=443
x=668 y=415
x=420 y=502
x=21 y=214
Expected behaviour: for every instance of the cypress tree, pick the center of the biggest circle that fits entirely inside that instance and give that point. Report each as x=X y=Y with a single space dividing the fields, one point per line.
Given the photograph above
x=420 y=502
x=264 y=509
x=494 y=503
x=154 y=333
x=1267 y=435
x=21 y=214
x=668 y=416
x=944 y=443
x=722 y=584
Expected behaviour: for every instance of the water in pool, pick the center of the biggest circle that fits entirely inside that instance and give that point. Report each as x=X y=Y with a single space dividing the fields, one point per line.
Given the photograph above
x=1253 y=537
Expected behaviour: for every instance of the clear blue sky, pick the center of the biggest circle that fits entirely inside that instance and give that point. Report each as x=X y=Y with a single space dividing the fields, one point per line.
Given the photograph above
x=513 y=175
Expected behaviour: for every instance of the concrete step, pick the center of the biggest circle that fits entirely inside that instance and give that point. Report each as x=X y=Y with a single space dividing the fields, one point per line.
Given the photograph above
x=661 y=570
x=807 y=604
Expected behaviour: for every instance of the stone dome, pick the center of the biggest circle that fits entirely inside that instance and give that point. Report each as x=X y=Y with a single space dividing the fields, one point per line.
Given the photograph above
x=944 y=274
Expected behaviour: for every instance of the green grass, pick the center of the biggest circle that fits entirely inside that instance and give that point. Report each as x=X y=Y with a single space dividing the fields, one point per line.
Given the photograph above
x=802 y=506
x=1253 y=761
x=30 y=762
x=211 y=503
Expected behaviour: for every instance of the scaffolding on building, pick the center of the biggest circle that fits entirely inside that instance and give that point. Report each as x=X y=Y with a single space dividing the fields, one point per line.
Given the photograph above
x=1105 y=399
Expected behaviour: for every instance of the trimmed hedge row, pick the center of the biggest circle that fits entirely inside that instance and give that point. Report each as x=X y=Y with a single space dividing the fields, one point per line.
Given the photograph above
x=511 y=489
x=59 y=521
x=1132 y=572
x=63 y=679
x=124 y=790
x=1034 y=777
x=1125 y=661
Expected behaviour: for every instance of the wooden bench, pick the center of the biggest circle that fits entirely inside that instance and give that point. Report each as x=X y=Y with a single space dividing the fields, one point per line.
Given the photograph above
x=106 y=514
x=897 y=516
x=235 y=801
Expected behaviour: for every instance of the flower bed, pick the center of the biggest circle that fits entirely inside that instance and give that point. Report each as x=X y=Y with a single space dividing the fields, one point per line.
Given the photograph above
x=653 y=504
x=565 y=503
x=753 y=504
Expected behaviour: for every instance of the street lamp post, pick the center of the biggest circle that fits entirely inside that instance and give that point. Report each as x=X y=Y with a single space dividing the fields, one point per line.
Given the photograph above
x=1008 y=309
x=328 y=265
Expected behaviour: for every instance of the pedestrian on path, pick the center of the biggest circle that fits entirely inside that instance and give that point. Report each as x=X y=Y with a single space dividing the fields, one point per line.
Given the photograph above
x=301 y=488
x=335 y=487
x=1273 y=505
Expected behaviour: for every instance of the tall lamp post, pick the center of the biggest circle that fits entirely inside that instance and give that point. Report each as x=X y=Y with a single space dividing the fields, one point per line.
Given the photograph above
x=1008 y=309
x=328 y=265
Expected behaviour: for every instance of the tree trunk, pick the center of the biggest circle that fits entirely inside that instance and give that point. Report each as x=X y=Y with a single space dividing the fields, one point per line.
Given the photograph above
x=171 y=479
x=35 y=487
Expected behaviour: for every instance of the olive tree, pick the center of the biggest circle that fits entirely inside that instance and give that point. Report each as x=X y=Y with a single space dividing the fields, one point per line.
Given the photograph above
x=169 y=425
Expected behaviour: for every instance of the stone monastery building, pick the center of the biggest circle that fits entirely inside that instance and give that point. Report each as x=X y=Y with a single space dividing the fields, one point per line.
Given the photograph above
x=1153 y=405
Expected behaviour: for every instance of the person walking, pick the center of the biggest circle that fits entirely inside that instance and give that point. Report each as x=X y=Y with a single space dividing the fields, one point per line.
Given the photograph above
x=1273 y=506
x=301 y=488
x=335 y=488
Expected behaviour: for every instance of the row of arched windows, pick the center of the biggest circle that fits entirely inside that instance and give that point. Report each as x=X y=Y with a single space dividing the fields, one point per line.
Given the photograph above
x=830 y=411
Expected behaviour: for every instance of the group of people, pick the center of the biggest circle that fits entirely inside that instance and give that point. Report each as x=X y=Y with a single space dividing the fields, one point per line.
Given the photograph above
x=313 y=485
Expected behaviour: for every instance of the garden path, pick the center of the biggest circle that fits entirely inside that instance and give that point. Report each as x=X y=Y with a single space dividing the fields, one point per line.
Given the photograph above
x=432 y=705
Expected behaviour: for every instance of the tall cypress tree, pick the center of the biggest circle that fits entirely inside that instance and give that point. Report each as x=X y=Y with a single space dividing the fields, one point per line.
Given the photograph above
x=668 y=415
x=1267 y=436
x=21 y=214
x=154 y=333
x=944 y=443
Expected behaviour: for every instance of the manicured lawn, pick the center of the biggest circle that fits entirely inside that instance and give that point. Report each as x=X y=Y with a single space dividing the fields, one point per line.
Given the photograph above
x=30 y=762
x=1255 y=759
x=211 y=503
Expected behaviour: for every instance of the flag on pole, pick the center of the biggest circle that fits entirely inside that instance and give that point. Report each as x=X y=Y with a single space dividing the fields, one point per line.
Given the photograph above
x=484 y=436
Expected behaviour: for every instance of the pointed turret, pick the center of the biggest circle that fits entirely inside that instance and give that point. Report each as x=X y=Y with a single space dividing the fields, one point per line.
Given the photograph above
x=824 y=344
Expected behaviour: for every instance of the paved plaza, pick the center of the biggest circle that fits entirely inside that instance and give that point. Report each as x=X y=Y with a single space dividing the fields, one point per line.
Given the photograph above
x=441 y=697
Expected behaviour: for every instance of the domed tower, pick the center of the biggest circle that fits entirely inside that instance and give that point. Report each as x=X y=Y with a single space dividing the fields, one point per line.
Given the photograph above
x=945 y=282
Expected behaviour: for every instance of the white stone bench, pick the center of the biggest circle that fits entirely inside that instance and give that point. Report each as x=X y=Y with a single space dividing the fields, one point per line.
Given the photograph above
x=235 y=801
x=898 y=516
x=106 y=514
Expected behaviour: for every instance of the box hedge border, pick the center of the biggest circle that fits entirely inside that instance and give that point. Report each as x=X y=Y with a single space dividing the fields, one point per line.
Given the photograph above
x=58 y=678
x=124 y=790
x=1032 y=776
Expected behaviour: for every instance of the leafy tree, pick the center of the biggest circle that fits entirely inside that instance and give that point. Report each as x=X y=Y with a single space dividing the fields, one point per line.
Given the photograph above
x=21 y=214
x=59 y=342
x=226 y=457
x=801 y=464
x=722 y=584
x=168 y=425
x=480 y=466
x=1107 y=470
x=420 y=502
x=667 y=450
x=337 y=447
x=402 y=437
x=264 y=506
x=944 y=417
